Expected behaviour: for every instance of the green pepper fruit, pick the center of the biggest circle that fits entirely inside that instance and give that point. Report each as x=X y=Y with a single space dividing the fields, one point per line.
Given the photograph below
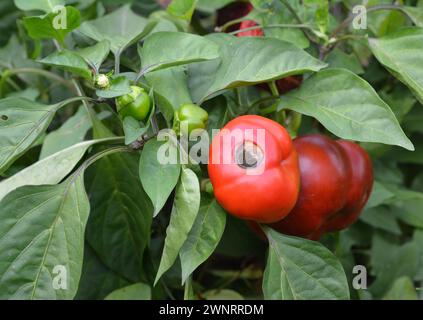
x=135 y=104
x=193 y=117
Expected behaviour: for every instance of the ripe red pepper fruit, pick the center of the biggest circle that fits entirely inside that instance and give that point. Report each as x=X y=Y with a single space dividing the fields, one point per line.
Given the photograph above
x=269 y=194
x=233 y=11
x=250 y=33
x=336 y=182
x=360 y=187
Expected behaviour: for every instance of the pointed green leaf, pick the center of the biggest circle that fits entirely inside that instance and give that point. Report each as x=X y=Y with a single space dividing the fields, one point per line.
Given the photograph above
x=348 y=107
x=167 y=49
x=184 y=212
x=247 y=61
x=42 y=240
x=158 y=179
x=21 y=123
x=401 y=54
x=69 y=61
x=300 y=269
x=203 y=238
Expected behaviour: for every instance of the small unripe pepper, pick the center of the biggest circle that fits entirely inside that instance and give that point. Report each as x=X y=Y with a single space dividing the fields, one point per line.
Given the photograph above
x=189 y=117
x=135 y=104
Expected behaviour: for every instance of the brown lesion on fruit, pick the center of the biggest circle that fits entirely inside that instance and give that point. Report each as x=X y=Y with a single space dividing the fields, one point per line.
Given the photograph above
x=4 y=117
x=248 y=155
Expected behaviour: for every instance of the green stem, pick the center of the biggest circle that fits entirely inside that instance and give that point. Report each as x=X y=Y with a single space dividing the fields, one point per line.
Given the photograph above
x=73 y=99
x=348 y=20
x=268 y=110
x=260 y=101
x=188 y=290
x=99 y=130
x=96 y=157
x=117 y=62
x=270 y=26
x=274 y=88
x=229 y=24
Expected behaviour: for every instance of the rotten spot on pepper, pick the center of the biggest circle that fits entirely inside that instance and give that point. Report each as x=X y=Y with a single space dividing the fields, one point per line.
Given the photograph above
x=248 y=155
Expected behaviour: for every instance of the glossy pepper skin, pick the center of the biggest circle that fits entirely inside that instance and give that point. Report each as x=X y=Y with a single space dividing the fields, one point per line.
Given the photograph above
x=190 y=115
x=249 y=33
x=268 y=196
x=360 y=187
x=336 y=182
x=135 y=104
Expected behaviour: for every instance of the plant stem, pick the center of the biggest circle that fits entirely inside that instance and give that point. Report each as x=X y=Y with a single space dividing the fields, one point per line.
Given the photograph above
x=300 y=26
x=229 y=24
x=188 y=292
x=117 y=62
x=348 y=20
x=259 y=101
x=99 y=130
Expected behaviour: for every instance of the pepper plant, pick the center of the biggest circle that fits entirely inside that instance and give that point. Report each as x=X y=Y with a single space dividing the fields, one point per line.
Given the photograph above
x=88 y=212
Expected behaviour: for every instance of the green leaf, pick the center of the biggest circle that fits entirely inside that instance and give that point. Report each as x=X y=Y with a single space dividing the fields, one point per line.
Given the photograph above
x=43 y=5
x=300 y=269
x=70 y=133
x=28 y=93
x=348 y=107
x=203 y=238
x=168 y=49
x=224 y=294
x=50 y=170
x=384 y=246
x=158 y=179
x=133 y=129
x=21 y=123
x=381 y=218
x=14 y=55
x=120 y=208
x=183 y=215
x=408 y=205
x=418 y=240
x=96 y=54
x=339 y=59
x=121 y=28
x=275 y=12
x=247 y=61
x=403 y=263
x=400 y=54
x=379 y=195
x=53 y=25
x=68 y=61
x=119 y=86
x=210 y=6
x=137 y=291
x=170 y=89
x=415 y=14
x=402 y=289
x=97 y=280
x=182 y=9
x=42 y=240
